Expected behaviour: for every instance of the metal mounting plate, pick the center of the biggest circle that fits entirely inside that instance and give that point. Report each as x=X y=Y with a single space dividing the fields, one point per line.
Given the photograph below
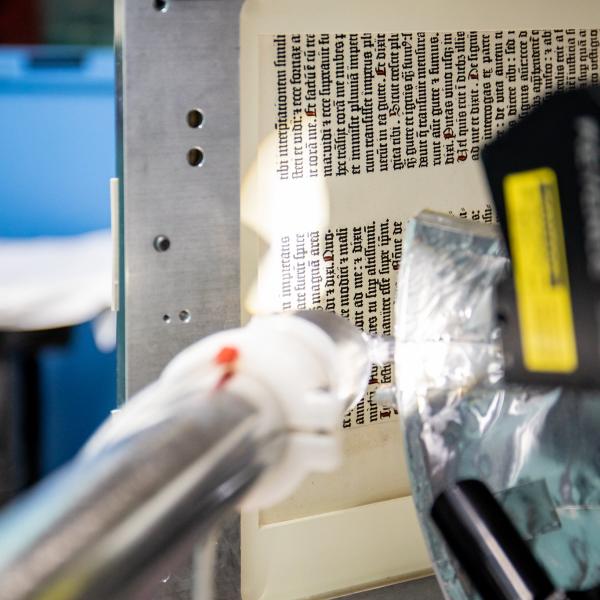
x=175 y=57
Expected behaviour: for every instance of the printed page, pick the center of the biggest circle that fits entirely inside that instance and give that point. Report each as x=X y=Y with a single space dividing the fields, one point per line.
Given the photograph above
x=359 y=132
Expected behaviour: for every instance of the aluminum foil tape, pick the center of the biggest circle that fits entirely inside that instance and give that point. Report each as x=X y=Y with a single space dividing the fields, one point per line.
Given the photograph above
x=538 y=450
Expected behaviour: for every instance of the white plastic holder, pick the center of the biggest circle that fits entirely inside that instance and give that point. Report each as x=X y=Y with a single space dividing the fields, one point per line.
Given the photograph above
x=285 y=365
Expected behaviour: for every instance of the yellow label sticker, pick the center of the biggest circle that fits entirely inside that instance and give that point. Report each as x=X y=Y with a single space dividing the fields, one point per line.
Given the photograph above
x=540 y=271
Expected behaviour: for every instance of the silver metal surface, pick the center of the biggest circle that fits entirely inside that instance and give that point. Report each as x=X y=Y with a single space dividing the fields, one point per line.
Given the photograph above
x=171 y=62
x=120 y=514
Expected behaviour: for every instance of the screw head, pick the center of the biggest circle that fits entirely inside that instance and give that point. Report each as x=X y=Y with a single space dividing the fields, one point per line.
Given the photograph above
x=161 y=243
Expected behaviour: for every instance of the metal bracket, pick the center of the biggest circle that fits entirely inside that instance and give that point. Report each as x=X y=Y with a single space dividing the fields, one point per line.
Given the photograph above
x=179 y=174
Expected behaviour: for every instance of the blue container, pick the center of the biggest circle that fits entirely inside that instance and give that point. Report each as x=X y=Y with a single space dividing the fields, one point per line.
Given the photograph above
x=57 y=154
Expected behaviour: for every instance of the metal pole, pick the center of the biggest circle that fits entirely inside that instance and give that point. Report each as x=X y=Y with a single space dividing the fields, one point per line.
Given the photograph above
x=93 y=529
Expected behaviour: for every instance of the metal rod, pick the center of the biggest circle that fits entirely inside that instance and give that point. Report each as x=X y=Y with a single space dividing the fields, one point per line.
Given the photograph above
x=488 y=546
x=95 y=527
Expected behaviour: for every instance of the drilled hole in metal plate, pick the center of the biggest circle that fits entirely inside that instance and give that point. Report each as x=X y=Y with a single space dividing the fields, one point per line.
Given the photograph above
x=195 y=157
x=167 y=318
x=185 y=316
x=161 y=5
x=161 y=243
x=195 y=118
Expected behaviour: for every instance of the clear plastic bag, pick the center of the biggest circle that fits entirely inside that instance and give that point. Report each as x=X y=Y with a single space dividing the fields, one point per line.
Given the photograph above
x=538 y=450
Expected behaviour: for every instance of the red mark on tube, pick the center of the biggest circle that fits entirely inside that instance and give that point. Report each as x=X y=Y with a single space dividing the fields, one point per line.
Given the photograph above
x=226 y=357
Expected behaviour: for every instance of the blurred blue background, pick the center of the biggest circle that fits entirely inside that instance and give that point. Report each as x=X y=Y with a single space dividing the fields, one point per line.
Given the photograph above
x=57 y=154
x=57 y=119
